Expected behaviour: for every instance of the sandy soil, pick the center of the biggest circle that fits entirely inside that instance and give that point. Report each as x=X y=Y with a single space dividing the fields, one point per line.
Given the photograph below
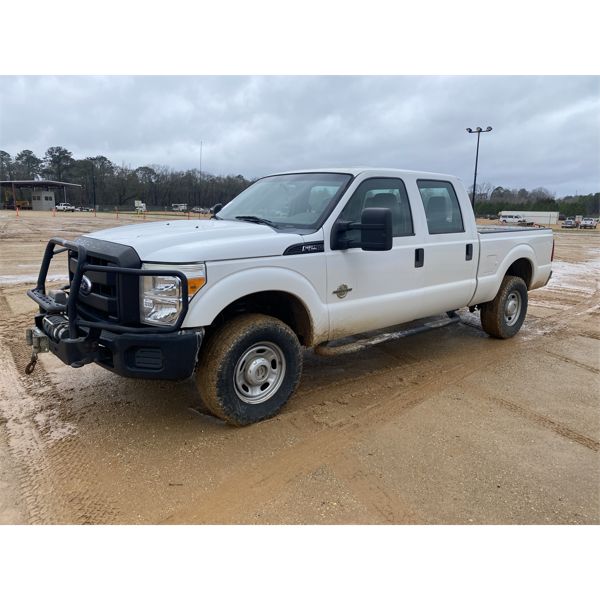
x=447 y=427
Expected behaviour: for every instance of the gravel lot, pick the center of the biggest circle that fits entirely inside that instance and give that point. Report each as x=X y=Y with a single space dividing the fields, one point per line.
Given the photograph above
x=447 y=427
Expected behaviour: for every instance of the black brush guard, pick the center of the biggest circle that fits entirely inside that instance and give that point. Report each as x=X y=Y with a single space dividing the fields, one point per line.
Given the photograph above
x=156 y=352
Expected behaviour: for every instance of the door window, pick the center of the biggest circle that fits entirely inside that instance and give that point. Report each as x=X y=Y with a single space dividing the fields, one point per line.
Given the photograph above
x=441 y=207
x=379 y=193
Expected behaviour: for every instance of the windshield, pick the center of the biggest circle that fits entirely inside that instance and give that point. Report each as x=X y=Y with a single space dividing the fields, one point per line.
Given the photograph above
x=298 y=200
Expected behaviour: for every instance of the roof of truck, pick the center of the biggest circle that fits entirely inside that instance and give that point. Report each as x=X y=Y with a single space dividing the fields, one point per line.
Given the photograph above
x=359 y=170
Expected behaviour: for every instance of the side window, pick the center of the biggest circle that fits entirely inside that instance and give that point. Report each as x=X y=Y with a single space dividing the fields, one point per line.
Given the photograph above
x=441 y=207
x=380 y=193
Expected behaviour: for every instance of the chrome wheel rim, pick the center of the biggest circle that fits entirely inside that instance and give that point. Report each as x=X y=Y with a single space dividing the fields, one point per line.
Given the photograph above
x=512 y=308
x=259 y=373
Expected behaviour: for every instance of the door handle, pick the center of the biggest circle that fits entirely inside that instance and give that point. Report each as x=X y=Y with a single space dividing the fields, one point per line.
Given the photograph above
x=469 y=255
x=419 y=257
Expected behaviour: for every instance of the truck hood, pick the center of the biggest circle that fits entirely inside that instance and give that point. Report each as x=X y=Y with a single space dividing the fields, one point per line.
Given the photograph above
x=182 y=241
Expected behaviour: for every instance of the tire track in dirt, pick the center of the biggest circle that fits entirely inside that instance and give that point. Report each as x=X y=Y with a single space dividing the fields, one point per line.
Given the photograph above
x=572 y=361
x=58 y=480
x=548 y=423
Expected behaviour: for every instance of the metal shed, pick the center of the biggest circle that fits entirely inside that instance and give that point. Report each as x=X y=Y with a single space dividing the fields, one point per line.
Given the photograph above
x=9 y=196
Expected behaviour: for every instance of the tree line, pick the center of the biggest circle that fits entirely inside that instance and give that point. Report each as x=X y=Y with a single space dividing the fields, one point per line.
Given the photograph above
x=107 y=185
x=491 y=200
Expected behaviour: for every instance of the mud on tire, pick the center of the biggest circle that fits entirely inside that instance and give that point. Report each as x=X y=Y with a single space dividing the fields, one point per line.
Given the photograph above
x=249 y=368
x=503 y=316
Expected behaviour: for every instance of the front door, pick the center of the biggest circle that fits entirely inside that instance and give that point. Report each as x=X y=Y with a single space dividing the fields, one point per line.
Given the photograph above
x=370 y=290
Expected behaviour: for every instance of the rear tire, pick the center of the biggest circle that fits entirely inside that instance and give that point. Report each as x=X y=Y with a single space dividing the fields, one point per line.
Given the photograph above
x=249 y=368
x=504 y=315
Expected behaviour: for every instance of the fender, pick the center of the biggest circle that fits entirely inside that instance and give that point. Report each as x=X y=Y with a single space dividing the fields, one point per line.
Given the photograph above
x=205 y=307
x=488 y=285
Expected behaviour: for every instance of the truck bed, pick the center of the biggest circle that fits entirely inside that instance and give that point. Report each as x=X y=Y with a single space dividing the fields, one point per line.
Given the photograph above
x=483 y=229
x=532 y=245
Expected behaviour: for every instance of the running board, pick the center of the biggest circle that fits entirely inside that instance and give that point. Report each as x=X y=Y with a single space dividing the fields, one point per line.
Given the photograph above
x=328 y=350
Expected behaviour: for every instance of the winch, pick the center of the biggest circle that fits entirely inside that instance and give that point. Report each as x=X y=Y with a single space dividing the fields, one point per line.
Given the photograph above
x=56 y=326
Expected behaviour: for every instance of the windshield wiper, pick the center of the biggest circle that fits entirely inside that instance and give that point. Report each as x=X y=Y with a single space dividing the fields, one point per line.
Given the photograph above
x=259 y=220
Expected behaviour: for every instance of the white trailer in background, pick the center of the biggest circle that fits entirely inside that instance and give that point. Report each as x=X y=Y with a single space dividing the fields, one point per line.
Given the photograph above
x=531 y=216
x=42 y=200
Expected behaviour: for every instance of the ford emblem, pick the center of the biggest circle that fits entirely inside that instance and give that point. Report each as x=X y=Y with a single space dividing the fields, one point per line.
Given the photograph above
x=86 y=285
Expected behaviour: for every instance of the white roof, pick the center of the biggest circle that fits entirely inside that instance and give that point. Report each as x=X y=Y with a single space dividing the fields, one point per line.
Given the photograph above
x=370 y=170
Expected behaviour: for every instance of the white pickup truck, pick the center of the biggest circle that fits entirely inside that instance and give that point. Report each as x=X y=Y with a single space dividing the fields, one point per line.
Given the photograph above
x=297 y=260
x=65 y=207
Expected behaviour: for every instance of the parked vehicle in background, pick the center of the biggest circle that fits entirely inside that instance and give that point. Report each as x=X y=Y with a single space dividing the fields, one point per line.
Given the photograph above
x=525 y=223
x=84 y=209
x=530 y=217
x=588 y=223
x=569 y=224
x=200 y=209
x=296 y=260
x=140 y=207
x=510 y=218
x=179 y=207
x=65 y=207
x=516 y=219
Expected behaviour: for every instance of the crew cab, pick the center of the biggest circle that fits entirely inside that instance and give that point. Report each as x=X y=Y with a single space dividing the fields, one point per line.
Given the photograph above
x=298 y=259
x=65 y=207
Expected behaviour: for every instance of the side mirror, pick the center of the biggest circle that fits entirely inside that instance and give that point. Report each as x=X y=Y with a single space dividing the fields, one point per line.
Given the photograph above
x=216 y=208
x=376 y=229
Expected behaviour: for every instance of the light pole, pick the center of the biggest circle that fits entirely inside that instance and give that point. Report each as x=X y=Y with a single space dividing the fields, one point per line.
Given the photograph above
x=93 y=184
x=478 y=131
x=200 y=179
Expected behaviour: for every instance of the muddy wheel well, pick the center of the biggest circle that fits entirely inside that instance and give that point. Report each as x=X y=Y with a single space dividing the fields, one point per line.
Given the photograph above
x=281 y=305
x=521 y=268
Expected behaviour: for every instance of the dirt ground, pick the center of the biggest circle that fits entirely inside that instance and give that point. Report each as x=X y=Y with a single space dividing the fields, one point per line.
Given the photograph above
x=447 y=427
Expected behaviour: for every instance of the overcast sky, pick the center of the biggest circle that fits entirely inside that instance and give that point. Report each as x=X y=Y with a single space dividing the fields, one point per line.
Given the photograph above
x=546 y=129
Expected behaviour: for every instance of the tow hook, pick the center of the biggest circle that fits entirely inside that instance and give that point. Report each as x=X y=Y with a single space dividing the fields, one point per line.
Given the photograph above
x=39 y=342
x=31 y=364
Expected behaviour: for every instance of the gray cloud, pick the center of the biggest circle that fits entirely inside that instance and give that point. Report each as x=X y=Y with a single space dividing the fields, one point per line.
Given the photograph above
x=546 y=129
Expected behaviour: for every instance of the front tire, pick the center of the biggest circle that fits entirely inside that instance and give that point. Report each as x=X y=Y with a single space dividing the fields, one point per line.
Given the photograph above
x=504 y=315
x=249 y=368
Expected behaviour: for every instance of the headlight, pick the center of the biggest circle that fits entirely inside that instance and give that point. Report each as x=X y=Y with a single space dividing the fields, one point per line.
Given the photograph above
x=160 y=295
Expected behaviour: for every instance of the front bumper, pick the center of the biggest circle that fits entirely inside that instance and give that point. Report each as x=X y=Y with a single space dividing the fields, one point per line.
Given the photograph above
x=128 y=350
x=149 y=356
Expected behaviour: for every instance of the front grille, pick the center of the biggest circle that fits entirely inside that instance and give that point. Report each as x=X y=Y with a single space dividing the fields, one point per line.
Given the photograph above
x=101 y=303
x=113 y=297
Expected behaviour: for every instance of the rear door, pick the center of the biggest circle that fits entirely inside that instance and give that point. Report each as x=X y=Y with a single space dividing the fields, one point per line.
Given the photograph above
x=450 y=248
